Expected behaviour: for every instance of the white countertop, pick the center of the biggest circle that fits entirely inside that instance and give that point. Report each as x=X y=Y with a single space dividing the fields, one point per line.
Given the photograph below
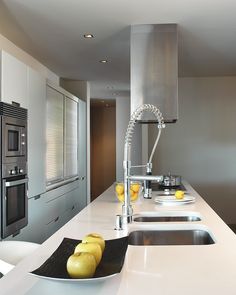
x=164 y=270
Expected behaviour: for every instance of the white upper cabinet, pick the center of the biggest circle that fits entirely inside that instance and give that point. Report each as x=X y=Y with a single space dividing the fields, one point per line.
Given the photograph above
x=13 y=80
x=22 y=84
x=36 y=133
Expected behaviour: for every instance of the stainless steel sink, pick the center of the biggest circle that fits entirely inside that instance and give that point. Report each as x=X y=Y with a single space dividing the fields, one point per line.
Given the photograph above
x=170 y=237
x=167 y=217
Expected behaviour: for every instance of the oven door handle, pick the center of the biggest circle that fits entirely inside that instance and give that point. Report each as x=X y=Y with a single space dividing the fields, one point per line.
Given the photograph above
x=16 y=182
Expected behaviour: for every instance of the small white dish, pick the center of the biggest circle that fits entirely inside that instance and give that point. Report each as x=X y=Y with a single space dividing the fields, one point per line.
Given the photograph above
x=171 y=200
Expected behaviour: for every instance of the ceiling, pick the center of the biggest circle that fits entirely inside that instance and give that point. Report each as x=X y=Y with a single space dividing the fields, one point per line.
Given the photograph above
x=52 y=31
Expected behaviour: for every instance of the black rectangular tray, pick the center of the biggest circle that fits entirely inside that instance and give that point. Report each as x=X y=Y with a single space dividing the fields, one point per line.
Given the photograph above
x=111 y=263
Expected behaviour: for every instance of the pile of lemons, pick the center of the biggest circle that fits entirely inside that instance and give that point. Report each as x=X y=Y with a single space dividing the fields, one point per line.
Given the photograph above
x=134 y=191
x=87 y=255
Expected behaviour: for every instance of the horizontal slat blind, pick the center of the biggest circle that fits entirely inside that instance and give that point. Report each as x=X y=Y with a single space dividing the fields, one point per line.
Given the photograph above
x=54 y=134
x=71 y=138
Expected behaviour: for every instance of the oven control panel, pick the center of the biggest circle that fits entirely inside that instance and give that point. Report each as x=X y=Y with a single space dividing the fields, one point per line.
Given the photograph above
x=14 y=169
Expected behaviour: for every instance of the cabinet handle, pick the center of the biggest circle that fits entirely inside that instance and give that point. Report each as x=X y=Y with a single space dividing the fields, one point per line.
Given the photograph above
x=73 y=207
x=56 y=219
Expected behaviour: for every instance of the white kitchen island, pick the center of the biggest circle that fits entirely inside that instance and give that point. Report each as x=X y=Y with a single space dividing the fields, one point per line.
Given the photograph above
x=161 y=270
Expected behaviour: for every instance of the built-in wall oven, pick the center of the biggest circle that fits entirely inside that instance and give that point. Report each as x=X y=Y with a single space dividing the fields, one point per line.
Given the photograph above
x=14 y=199
x=14 y=180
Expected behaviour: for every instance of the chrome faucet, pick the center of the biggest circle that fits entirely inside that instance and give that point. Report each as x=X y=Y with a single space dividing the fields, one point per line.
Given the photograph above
x=127 y=210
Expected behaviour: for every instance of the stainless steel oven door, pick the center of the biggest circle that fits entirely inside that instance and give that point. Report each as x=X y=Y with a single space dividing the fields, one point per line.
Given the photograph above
x=14 y=138
x=14 y=205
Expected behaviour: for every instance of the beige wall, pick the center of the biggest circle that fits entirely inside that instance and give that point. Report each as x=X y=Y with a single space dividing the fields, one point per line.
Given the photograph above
x=20 y=54
x=201 y=146
x=79 y=88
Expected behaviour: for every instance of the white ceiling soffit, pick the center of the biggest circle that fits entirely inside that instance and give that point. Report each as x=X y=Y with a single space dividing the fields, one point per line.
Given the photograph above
x=52 y=31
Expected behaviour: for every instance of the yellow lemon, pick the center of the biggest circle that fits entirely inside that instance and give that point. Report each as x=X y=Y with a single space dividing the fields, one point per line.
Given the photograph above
x=134 y=197
x=131 y=193
x=179 y=194
x=121 y=197
x=120 y=188
x=135 y=187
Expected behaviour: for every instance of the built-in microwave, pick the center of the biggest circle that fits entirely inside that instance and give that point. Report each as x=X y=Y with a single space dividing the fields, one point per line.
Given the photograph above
x=14 y=133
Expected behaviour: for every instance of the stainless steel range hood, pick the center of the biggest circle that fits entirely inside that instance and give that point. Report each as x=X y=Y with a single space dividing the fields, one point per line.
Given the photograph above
x=154 y=69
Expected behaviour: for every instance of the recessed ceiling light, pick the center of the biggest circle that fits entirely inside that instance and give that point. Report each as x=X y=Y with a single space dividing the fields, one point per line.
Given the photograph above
x=103 y=61
x=88 y=36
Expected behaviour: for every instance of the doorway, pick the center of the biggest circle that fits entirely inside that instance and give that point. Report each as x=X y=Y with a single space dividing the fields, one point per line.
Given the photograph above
x=103 y=145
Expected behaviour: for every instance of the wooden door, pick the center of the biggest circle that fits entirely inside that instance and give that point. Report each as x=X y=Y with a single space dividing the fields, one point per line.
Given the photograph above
x=103 y=146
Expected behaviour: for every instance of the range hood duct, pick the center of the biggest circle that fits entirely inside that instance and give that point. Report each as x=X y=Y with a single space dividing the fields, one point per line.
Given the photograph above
x=154 y=69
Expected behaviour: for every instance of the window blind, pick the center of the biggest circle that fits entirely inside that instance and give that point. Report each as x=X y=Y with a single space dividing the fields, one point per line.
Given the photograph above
x=54 y=136
x=71 y=138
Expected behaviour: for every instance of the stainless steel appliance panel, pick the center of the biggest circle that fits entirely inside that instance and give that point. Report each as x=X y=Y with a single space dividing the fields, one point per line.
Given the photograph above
x=154 y=69
x=14 y=139
x=14 y=181
x=14 y=205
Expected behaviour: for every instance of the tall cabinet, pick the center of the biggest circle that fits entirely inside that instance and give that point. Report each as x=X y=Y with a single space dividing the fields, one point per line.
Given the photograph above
x=21 y=84
x=49 y=208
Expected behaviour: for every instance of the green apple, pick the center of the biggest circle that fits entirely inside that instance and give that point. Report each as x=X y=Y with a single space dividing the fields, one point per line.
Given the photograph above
x=92 y=248
x=81 y=265
x=95 y=238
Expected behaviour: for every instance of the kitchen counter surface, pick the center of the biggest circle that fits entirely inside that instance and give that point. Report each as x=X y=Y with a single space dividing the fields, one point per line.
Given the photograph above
x=164 y=270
